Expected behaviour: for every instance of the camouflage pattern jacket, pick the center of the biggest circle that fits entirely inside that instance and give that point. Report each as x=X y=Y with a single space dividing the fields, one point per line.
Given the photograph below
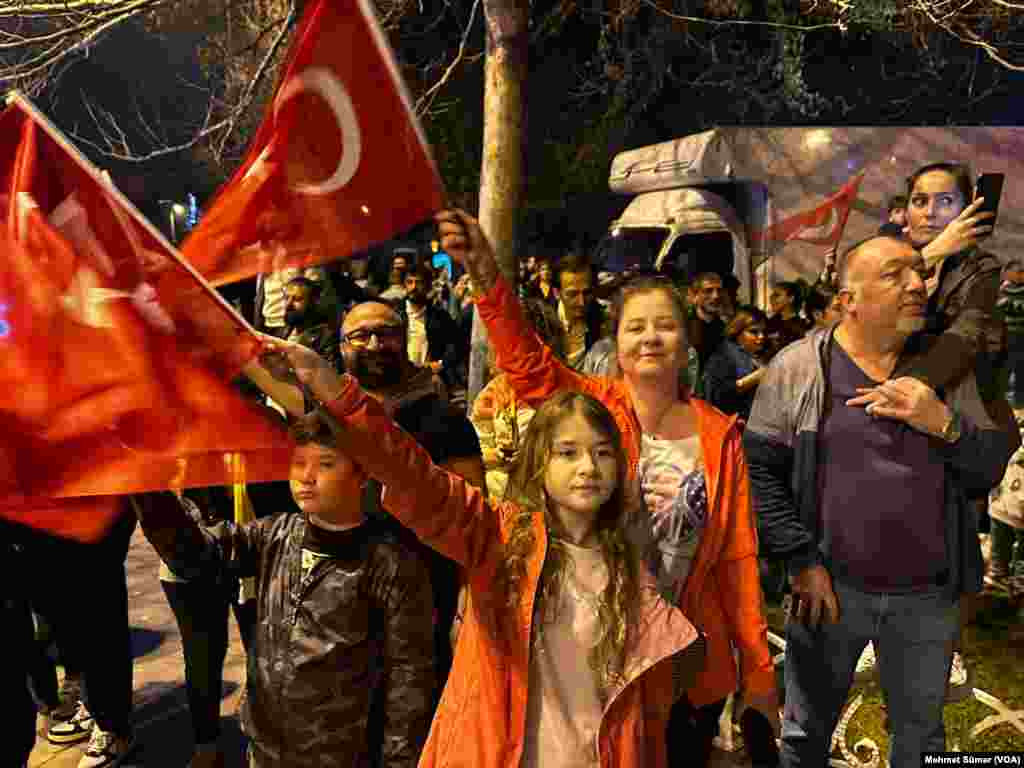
x=341 y=670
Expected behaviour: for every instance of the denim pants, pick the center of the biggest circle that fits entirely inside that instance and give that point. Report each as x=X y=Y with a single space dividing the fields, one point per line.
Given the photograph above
x=913 y=635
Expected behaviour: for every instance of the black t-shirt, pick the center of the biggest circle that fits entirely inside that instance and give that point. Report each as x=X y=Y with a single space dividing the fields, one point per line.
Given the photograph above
x=446 y=434
x=704 y=337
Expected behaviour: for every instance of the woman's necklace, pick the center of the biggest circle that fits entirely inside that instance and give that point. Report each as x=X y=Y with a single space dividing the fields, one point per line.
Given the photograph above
x=655 y=430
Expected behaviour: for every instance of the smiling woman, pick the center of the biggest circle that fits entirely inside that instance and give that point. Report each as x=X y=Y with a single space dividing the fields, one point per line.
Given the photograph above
x=698 y=523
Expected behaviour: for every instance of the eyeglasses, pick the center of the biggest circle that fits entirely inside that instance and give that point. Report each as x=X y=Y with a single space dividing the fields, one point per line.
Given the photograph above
x=386 y=334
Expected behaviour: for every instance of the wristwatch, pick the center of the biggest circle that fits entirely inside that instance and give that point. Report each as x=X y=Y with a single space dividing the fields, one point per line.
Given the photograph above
x=951 y=432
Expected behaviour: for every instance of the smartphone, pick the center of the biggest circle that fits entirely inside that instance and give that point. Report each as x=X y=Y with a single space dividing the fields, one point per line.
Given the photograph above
x=990 y=186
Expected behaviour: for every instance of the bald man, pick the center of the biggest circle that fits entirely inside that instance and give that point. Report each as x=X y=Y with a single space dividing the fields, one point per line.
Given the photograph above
x=866 y=499
x=373 y=349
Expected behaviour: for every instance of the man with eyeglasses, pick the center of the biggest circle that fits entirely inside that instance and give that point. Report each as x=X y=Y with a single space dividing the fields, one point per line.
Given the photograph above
x=373 y=349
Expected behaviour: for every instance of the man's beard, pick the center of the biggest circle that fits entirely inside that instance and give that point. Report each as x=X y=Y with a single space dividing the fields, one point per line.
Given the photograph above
x=711 y=312
x=911 y=324
x=295 y=318
x=377 y=370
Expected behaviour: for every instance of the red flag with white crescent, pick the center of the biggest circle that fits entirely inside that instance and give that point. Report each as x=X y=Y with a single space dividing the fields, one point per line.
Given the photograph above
x=116 y=357
x=822 y=225
x=338 y=164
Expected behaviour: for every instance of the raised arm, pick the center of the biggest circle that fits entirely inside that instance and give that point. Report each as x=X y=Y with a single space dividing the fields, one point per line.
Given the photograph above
x=533 y=370
x=445 y=511
x=194 y=551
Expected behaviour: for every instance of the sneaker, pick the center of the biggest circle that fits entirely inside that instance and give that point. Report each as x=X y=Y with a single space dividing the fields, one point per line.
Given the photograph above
x=70 y=694
x=76 y=728
x=866 y=664
x=106 y=749
x=960 y=685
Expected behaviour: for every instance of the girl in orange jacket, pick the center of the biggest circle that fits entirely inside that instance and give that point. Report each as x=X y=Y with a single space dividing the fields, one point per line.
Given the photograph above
x=568 y=656
x=688 y=459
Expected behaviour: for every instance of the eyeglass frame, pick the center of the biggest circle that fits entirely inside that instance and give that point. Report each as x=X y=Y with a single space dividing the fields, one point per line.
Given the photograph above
x=383 y=333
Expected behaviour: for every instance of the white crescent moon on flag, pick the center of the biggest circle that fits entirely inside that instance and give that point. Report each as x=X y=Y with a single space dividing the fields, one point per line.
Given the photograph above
x=321 y=81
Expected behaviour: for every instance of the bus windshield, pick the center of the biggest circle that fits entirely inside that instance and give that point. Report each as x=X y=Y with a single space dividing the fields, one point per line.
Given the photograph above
x=629 y=248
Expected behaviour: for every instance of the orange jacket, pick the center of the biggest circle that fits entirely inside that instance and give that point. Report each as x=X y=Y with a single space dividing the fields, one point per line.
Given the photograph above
x=722 y=595
x=481 y=719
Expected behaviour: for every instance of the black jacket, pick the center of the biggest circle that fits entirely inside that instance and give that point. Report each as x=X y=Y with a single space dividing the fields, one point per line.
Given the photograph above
x=341 y=671
x=442 y=339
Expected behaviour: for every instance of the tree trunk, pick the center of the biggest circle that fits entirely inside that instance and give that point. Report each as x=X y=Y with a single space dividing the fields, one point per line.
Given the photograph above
x=502 y=180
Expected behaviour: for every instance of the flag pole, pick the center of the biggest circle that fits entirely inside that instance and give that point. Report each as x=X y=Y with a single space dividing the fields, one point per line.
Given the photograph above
x=16 y=97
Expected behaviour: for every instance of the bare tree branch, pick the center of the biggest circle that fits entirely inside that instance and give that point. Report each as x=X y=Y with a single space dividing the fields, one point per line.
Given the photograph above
x=424 y=102
x=964 y=34
x=743 y=22
x=222 y=116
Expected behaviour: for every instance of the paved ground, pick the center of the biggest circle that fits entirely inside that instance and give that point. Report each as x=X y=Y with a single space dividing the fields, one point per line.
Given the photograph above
x=161 y=712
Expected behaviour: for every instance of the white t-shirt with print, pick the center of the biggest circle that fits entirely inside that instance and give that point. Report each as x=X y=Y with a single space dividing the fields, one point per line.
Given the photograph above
x=675 y=525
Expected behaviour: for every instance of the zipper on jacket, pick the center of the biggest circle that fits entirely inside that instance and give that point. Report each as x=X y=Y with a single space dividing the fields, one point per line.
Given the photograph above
x=633 y=679
x=305 y=586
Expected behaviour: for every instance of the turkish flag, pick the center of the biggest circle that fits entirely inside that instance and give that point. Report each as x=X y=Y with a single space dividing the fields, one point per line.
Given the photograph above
x=115 y=357
x=822 y=225
x=338 y=164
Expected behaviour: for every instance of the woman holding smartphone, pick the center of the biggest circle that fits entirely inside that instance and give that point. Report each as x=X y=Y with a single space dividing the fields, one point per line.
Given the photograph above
x=946 y=223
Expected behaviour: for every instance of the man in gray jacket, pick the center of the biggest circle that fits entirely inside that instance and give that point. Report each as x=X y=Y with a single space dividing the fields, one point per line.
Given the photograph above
x=341 y=669
x=866 y=498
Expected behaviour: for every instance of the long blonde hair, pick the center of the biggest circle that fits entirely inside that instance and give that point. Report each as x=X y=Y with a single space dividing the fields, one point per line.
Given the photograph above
x=526 y=488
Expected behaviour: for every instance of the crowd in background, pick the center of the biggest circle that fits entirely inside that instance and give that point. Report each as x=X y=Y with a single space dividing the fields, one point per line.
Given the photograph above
x=365 y=586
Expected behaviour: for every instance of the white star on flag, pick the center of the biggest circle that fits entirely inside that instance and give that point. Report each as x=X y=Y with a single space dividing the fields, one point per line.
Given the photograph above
x=85 y=298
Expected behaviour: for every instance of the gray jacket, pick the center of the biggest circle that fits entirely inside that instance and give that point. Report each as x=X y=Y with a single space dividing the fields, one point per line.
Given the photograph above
x=781 y=443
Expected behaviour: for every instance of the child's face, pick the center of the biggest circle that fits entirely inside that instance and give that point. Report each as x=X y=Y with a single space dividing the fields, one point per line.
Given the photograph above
x=582 y=471
x=325 y=485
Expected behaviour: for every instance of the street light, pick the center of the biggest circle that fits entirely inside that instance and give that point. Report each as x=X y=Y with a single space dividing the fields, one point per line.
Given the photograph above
x=176 y=210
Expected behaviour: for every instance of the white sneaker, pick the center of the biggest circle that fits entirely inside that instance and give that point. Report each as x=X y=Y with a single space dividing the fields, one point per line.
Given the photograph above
x=71 y=731
x=866 y=664
x=106 y=749
x=961 y=681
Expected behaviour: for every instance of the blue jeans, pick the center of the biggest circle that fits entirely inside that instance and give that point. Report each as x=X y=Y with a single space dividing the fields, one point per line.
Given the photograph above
x=913 y=636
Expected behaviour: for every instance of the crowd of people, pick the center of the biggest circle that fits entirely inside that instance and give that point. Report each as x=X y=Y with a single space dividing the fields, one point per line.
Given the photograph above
x=572 y=569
